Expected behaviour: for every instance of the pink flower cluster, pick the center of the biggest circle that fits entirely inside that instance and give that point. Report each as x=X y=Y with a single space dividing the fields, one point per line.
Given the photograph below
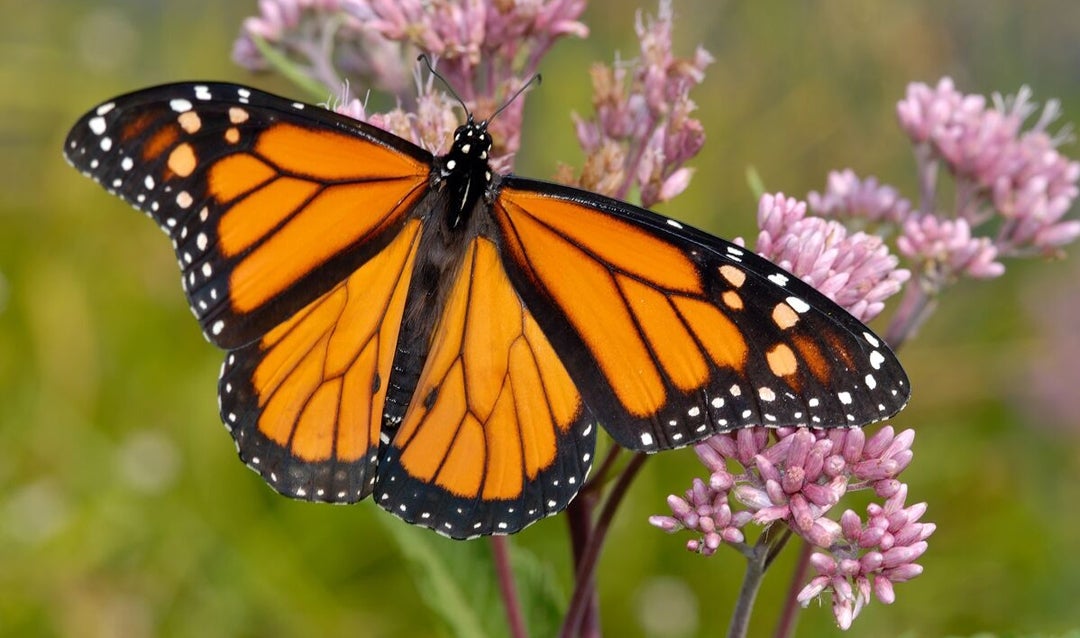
x=643 y=131
x=849 y=198
x=796 y=476
x=870 y=557
x=1010 y=181
x=856 y=270
x=485 y=49
x=1000 y=167
x=947 y=250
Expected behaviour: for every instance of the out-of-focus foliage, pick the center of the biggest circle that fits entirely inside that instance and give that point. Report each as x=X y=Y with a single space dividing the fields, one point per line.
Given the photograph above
x=123 y=511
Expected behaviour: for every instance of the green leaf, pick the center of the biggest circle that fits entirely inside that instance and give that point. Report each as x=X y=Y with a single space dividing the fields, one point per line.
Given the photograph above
x=296 y=74
x=456 y=579
x=446 y=579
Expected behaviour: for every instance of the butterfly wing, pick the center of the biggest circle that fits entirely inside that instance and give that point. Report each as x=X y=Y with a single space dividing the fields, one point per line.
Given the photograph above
x=268 y=203
x=497 y=434
x=672 y=334
x=305 y=402
x=296 y=230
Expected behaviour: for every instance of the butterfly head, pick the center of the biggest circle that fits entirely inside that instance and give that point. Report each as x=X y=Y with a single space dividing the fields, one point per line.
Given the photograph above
x=472 y=143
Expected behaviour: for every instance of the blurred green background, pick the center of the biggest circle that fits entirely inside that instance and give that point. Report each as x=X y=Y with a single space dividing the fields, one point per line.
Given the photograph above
x=123 y=509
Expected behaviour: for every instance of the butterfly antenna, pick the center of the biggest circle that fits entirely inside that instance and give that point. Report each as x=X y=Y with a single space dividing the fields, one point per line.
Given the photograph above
x=533 y=80
x=431 y=69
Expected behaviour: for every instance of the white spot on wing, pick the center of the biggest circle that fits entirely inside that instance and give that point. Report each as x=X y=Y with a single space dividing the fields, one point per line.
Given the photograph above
x=798 y=305
x=778 y=279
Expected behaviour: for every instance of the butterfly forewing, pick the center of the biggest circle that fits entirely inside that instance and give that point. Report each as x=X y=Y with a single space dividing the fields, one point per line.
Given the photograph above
x=268 y=203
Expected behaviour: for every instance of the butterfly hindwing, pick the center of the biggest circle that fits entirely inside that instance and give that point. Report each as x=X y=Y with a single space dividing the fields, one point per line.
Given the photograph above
x=305 y=402
x=497 y=435
x=674 y=335
x=268 y=203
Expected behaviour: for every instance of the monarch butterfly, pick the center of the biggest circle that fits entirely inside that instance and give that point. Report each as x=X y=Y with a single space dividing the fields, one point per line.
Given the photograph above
x=447 y=338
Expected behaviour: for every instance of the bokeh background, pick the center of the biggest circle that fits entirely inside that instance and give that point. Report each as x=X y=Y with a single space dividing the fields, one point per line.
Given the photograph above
x=124 y=512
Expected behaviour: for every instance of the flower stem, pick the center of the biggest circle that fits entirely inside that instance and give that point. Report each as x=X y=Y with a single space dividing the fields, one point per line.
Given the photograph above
x=756 y=559
x=500 y=549
x=790 y=614
x=584 y=583
x=579 y=517
x=914 y=309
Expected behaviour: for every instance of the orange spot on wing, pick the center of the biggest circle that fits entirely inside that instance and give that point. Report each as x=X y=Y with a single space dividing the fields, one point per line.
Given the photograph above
x=182 y=160
x=781 y=360
x=784 y=316
x=733 y=275
x=159 y=141
x=732 y=300
x=190 y=122
x=812 y=355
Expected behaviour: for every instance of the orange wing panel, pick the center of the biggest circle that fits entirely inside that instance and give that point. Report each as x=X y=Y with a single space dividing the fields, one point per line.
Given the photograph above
x=336 y=156
x=316 y=379
x=610 y=240
x=337 y=218
x=586 y=291
x=256 y=215
x=501 y=396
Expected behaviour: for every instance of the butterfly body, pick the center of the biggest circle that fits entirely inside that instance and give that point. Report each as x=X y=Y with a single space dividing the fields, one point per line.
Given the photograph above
x=447 y=339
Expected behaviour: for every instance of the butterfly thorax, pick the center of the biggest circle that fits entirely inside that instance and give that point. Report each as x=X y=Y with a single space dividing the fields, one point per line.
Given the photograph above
x=464 y=173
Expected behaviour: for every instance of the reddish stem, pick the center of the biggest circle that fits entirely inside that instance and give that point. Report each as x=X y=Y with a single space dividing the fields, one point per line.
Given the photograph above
x=790 y=613
x=585 y=577
x=500 y=549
